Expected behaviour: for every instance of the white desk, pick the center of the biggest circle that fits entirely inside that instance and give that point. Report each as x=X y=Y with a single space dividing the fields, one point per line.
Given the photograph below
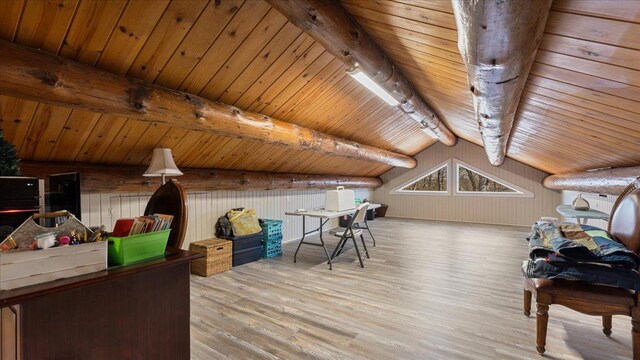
x=324 y=216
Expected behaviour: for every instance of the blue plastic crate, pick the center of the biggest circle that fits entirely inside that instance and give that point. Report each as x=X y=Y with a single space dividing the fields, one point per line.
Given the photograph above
x=271 y=249
x=271 y=229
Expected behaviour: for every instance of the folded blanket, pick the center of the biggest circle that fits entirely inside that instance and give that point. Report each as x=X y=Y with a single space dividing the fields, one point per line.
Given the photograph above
x=583 y=253
x=589 y=273
x=587 y=244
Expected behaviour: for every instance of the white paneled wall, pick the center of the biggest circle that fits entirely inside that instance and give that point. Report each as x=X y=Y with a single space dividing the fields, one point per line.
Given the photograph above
x=206 y=207
x=477 y=209
x=603 y=203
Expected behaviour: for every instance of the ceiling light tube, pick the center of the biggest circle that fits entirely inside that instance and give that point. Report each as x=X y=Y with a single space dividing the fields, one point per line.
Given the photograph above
x=365 y=80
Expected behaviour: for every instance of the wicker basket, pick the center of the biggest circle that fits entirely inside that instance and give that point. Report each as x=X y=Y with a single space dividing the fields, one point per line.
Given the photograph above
x=217 y=256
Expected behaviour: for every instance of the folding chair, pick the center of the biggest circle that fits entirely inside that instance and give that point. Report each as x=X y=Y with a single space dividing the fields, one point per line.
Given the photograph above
x=350 y=232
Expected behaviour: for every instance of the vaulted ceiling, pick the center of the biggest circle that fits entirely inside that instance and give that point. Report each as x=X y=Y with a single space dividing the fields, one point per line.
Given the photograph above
x=580 y=108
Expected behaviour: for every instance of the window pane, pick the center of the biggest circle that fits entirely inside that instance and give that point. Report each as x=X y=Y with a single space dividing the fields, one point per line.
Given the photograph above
x=471 y=181
x=435 y=181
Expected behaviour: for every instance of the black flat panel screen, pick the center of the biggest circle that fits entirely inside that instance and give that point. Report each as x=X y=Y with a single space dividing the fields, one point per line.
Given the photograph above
x=19 y=193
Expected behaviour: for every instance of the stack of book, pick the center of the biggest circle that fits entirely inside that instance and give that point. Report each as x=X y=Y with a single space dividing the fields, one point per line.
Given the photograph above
x=142 y=225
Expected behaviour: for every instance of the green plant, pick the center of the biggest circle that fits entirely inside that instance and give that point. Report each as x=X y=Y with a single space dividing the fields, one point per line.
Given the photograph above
x=9 y=160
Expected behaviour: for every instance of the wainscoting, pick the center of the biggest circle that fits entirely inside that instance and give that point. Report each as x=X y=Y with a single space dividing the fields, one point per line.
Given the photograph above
x=206 y=207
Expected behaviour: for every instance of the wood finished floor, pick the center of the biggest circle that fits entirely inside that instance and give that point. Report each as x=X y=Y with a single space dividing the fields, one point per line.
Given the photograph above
x=431 y=290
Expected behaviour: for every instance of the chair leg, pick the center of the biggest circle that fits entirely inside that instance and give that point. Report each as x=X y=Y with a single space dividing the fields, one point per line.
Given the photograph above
x=527 y=302
x=542 y=318
x=366 y=251
x=606 y=325
x=338 y=248
x=369 y=230
x=355 y=245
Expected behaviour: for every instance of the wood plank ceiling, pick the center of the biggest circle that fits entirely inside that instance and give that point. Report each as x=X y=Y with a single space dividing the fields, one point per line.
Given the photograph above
x=580 y=108
x=237 y=52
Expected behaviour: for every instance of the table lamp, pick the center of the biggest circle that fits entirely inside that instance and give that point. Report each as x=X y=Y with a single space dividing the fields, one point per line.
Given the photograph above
x=162 y=164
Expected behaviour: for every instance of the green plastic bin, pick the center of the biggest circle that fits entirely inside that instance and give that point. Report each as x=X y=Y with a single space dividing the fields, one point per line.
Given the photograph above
x=130 y=249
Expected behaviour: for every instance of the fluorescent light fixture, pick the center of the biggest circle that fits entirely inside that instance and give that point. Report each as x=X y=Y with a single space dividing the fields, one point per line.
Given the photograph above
x=365 y=80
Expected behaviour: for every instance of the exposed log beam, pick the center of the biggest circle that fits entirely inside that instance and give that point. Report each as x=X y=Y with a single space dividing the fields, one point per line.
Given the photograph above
x=611 y=181
x=498 y=41
x=330 y=25
x=115 y=179
x=47 y=78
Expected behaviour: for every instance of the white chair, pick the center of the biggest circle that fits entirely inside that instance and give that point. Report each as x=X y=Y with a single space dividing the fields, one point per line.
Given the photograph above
x=351 y=232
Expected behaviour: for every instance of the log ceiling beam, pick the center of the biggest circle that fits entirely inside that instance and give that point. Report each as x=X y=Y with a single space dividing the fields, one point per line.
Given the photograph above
x=330 y=25
x=498 y=41
x=123 y=179
x=610 y=181
x=39 y=76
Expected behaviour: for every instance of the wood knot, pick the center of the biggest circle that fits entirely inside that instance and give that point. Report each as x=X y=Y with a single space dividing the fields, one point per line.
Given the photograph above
x=137 y=96
x=194 y=100
x=47 y=78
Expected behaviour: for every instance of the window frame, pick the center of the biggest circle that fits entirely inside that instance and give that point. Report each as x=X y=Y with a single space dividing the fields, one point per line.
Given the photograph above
x=446 y=165
x=519 y=191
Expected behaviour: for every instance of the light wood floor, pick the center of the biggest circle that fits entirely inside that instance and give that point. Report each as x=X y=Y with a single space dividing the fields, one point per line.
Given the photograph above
x=431 y=290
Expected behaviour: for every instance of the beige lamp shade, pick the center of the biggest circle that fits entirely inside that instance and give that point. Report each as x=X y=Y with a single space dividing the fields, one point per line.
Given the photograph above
x=162 y=164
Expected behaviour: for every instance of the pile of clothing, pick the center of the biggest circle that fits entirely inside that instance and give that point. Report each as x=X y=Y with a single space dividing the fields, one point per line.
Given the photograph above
x=581 y=253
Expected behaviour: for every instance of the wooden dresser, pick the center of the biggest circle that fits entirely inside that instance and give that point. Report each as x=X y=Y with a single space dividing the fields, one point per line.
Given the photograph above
x=139 y=311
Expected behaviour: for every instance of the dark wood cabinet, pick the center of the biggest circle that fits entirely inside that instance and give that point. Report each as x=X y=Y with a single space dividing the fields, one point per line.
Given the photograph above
x=134 y=312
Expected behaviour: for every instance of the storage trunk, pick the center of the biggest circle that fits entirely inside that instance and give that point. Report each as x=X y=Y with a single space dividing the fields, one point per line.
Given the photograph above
x=371 y=214
x=344 y=221
x=247 y=255
x=382 y=211
x=217 y=256
x=31 y=267
x=340 y=199
x=245 y=242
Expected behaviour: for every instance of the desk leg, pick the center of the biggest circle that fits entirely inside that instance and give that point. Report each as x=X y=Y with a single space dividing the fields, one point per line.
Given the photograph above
x=304 y=232
x=325 y=247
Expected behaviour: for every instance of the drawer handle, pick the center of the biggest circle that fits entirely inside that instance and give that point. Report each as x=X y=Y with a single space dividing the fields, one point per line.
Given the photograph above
x=220 y=248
